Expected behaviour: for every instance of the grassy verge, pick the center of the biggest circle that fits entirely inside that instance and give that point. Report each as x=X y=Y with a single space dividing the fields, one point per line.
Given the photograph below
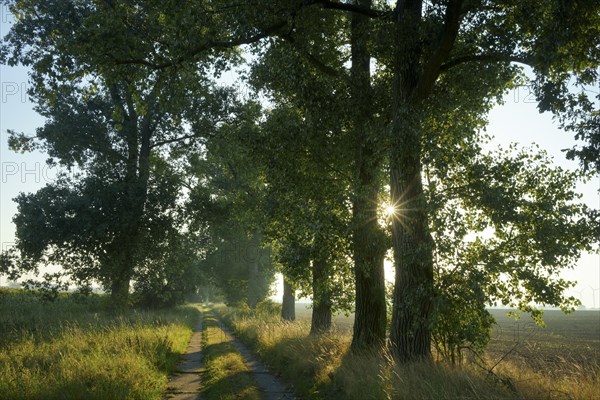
x=226 y=375
x=322 y=368
x=75 y=348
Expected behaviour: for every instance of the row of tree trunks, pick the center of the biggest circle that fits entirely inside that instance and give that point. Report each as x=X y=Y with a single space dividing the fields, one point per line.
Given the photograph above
x=368 y=243
x=410 y=332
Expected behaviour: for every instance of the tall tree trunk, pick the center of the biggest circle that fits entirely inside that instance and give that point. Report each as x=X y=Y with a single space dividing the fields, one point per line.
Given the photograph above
x=410 y=333
x=122 y=259
x=321 y=313
x=125 y=246
x=119 y=291
x=288 y=305
x=367 y=239
x=252 y=284
x=252 y=254
x=138 y=134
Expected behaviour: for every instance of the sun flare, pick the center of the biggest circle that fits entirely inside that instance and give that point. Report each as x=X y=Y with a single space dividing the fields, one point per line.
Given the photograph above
x=390 y=210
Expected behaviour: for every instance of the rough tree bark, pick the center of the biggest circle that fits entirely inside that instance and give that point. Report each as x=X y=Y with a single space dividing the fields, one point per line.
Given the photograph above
x=414 y=77
x=367 y=238
x=410 y=333
x=288 y=305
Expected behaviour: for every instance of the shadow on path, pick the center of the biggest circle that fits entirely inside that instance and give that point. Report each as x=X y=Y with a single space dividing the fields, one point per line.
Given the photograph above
x=271 y=386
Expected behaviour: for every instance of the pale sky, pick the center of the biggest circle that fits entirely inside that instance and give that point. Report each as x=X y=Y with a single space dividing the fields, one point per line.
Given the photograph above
x=516 y=121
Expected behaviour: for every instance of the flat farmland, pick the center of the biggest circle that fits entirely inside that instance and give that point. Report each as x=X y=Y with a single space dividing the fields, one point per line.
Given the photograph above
x=567 y=345
x=568 y=342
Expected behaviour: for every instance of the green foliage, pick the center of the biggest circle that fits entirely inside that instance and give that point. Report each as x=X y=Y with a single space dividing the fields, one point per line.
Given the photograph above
x=118 y=124
x=433 y=141
x=268 y=307
x=308 y=221
x=171 y=277
x=230 y=265
x=503 y=226
x=49 y=289
x=226 y=206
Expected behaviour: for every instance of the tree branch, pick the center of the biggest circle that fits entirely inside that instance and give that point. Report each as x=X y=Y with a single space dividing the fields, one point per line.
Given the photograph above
x=267 y=32
x=320 y=65
x=449 y=33
x=178 y=139
x=204 y=46
x=173 y=140
x=369 y=12
x=487 y=58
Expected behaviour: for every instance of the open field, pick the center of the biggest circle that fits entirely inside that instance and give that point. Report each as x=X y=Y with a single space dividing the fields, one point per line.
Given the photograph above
x=568 y=344
x=575 y=334
x=560 y=361
x=580 y=326
x=77 y=349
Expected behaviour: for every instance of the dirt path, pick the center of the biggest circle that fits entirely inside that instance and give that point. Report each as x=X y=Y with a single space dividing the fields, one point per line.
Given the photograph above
x=185 y=384
x=272 y=387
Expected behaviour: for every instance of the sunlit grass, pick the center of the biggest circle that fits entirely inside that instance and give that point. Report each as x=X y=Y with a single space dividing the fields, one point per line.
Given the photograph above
x=322 y=368
x=76 y=349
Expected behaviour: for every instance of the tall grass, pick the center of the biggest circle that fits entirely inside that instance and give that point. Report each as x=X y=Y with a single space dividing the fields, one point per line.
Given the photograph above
x=548 y=376
x=323 y=368
x=76 y=348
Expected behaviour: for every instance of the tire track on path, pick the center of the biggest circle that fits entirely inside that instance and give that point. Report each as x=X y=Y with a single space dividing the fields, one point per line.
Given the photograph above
x=271 y=386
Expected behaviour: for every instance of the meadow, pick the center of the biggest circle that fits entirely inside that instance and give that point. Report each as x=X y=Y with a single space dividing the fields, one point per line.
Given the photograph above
x=565 y=338
x=560 y=361
x=76 y=348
